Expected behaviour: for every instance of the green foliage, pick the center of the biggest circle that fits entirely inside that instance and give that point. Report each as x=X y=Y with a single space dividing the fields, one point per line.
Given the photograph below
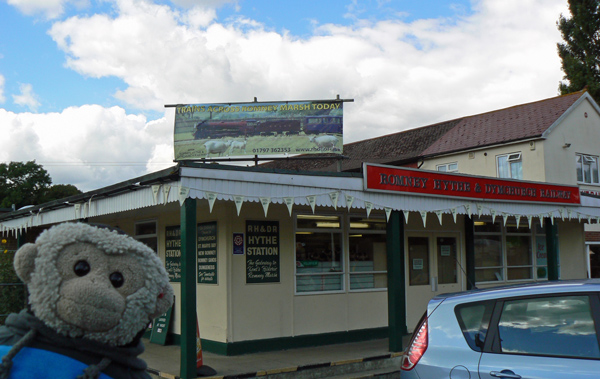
x=22 y=184
x=28 y=183
x=580 y=53
x=13 y=295
x=59 y=191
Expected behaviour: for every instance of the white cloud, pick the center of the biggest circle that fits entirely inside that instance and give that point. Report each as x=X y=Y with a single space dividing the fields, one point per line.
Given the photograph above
x=401 y=75
x=27 y=98
x=50 y=9
x=88 y=146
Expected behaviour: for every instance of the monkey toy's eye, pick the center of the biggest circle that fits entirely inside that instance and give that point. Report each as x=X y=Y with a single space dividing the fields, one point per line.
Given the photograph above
x=116 y=279
x=82 y=268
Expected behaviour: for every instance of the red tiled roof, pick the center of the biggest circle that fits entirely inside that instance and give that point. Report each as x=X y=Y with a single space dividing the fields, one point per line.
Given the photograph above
x=511 y=124
x=501 y=126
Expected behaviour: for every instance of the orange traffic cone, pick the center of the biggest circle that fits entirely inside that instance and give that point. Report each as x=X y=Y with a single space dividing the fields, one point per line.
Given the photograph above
x=201 y=368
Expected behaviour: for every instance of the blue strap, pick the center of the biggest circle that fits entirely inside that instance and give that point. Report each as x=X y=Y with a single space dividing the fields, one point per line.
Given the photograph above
x=42 y=364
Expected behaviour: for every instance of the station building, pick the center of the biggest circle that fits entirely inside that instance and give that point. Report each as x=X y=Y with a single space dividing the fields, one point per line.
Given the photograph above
x=303 y=253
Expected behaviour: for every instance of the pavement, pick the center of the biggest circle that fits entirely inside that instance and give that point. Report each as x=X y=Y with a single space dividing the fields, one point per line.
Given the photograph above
x=163 y=361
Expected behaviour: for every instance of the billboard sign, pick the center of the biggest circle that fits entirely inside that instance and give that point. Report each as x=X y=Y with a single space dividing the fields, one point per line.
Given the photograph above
x=208 y=131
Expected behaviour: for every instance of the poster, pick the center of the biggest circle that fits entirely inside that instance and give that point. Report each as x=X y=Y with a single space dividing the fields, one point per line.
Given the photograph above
x=173 y=253
x=207 y=252
x=262 y=252
x=204 y=131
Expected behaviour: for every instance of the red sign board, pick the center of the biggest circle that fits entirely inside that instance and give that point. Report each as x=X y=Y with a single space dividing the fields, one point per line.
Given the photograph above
x=396 y=179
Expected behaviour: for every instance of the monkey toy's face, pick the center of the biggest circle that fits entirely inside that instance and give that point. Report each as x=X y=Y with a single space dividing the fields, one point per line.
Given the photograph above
x=89 y=282
x=95 y=286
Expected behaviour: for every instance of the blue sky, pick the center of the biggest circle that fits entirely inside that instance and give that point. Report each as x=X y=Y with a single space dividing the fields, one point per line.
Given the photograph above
x=83 y=83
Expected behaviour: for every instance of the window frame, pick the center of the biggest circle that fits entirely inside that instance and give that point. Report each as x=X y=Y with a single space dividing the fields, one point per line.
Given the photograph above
x=492 y=341
x=447 y=167
x=534 y=233
x=142 y=237
x=350 y=273
x=511 y=158
x=579 y=166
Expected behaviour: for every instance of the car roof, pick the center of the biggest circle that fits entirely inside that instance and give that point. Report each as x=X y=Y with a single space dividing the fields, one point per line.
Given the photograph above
x=558 y=286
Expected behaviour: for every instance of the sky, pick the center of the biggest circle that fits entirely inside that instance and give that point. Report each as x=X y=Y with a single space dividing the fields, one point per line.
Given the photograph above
x=84 y=83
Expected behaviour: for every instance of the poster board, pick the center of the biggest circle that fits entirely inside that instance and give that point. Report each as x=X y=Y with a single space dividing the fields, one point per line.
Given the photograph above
x=262 y=252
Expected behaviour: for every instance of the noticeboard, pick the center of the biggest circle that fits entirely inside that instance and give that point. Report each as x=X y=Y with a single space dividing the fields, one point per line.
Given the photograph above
x=262 y=252
x=173 y=253
x=207 y=252
x=160 y=327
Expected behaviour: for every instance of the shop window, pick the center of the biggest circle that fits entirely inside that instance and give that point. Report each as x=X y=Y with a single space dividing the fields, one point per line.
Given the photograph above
x=587 y=168
x=510 y=166
x=367 y=252
x=418 y=261
x=146 y=232
x=319 y=254
x=509 y=253
x=448 y=167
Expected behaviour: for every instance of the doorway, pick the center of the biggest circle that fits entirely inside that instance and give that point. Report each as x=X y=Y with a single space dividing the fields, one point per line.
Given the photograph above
x=433 y=267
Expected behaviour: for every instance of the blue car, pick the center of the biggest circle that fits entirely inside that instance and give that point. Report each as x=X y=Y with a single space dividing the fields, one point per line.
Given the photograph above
x=540 y=330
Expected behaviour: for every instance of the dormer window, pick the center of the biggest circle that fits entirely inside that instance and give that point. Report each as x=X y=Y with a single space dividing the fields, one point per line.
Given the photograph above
x=587 y=168
x=510 y=166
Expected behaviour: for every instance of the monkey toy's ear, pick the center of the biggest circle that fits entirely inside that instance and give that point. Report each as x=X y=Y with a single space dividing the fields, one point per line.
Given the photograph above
x=25 y=261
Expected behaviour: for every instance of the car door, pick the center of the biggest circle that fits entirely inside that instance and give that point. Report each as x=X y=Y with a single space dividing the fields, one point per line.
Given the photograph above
x=554 y=336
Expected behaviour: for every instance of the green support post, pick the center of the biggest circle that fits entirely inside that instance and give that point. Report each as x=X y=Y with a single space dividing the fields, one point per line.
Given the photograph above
x=188 y=289
x=396 y=281
x=470 y=251
x=551 y=248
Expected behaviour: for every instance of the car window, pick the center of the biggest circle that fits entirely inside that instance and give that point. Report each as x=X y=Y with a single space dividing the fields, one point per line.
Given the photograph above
x=474 y=319
x=556 y=326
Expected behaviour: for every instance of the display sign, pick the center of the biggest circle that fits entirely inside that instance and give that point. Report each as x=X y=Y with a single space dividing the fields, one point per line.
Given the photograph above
x=207 y=252
x=173 y=253
x=205 y=131
x=238 y=243
x=160 y=327
x=421 y=182
x=262 y=251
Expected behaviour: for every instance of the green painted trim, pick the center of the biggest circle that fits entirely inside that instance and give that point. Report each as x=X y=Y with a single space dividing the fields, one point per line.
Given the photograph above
x=285 y=343
x=470 y=251
x=188 y=289
x=396 y=281
x=551 y=231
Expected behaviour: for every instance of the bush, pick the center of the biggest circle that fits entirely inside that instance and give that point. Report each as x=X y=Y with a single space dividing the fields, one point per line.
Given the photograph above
x=13 y=294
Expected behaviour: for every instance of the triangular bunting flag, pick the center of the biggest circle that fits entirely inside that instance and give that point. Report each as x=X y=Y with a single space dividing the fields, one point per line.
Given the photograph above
x=479 y=209
x=561 y=213
x=349 y=201
x=468 y=209
x=504 y=218
x=493 y=212
x=312 y=200
x=518 y=218
x=529 y=217
x=155 y=190
x=183 y=194
x=424 y=217
x=369 y=207
x=388 y=212
x=454 y=213
x=551 y=217
x=406 y=213
x=239 y=200
x=211 y=197
x=166 y=190
x=334 y=196
x=541 y=220
x=265 y=201
x=439 y=216
x=289 y=201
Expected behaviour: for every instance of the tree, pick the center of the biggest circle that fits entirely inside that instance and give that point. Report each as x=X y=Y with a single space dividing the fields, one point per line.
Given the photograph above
x=22 y=184
x=580 y=53
x=59 y=191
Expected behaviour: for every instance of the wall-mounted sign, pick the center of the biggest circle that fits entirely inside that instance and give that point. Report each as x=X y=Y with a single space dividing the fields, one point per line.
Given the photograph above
x=262 y=251
x=421 y=182
x=238 y=243
x=173 y=253
x=207 y=252
x=245 y=129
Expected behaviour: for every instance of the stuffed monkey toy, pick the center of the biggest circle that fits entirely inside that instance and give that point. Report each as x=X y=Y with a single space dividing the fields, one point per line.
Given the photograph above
x=92 y=292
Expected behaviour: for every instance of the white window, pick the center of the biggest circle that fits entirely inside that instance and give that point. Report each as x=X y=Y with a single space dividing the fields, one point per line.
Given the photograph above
x=337 y=252
x=448 y=167
x=587 y=168
x=146 y=232
x=510 y=166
